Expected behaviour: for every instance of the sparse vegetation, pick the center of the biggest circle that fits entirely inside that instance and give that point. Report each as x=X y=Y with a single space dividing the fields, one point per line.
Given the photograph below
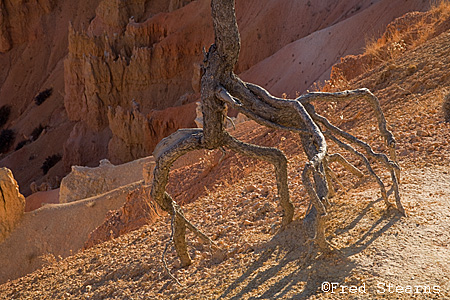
x=50 y=162
x=42 y=96
x=22 y=144
x=407 y=33
x=37 y=132
x=7 y=138
x=5 y=112
x=403 y=34
x=34 y=136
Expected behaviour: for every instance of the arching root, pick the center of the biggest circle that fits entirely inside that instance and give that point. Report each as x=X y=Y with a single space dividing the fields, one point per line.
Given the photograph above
x=167 y=151
x=185 y=141
x=279 y=161
x=391 y=166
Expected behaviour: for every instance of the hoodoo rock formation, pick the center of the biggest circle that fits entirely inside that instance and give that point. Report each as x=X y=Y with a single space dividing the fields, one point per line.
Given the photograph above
x=100 y=54
x=12 y=203
x=136 y=135
x=123 y=58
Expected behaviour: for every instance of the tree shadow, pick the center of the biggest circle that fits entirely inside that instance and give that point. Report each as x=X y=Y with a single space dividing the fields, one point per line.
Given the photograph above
x=362 y=214
x=380 y=226
x=291 y=267
x=355 y=221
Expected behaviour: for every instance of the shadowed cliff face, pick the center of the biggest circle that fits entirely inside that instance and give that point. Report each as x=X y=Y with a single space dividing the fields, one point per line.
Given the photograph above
x=37 y=32
x=21 y=22
x=118 y=59
x=124 y=73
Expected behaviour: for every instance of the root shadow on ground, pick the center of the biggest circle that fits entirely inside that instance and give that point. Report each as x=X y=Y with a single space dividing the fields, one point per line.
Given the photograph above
x=290 y=267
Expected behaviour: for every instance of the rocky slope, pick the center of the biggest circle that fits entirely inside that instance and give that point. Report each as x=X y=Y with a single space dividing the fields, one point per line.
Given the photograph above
x=107 y=66
x=111 y=200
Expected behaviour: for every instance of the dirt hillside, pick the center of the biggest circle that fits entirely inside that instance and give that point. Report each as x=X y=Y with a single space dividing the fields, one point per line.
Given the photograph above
x=381 y=255
x=298 y=65
x=55 y=230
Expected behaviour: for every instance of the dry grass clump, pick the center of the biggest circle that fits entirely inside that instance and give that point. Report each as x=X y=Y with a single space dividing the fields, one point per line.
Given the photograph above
x=408 y=32
x=441 y=7
x=388 y=47
x=335 y=84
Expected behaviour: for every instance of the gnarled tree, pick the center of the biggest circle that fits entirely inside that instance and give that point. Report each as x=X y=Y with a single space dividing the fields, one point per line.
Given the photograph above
x=220 y=89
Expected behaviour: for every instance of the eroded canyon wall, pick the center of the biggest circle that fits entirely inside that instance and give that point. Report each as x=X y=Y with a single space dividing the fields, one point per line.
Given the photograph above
x=124 y=74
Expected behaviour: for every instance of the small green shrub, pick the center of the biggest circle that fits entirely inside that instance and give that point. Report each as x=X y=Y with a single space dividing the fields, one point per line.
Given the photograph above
x=50 y=162
x=42 y=96
x=7 y=138
x=37 y=132
x=34 y=136
x=5 y=112
x=22 y=144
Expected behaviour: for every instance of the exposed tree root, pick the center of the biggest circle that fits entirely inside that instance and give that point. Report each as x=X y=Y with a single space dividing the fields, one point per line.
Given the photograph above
x=163 y=258
x=221 y=89
x=336 y=157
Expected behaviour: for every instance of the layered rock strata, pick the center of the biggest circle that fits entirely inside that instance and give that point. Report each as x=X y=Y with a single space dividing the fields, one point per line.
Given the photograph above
x=85 y=182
